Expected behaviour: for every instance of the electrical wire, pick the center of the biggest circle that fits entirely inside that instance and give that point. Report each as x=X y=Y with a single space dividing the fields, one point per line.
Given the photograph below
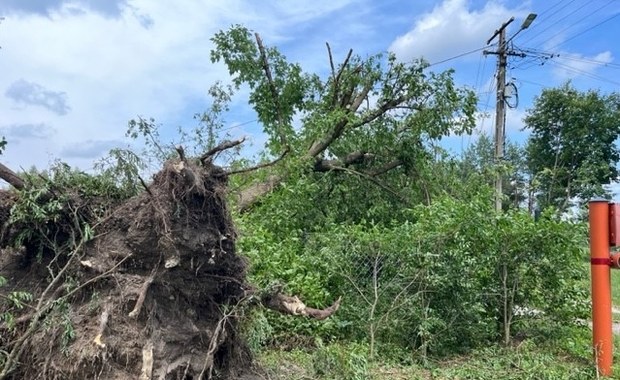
x=586 y=30
x=574 y=24
x=572 y=57
x=531 y=82
x=585 y=73
x=556 y=22
x=542 y=20
x=588 y=60
x=457 y=56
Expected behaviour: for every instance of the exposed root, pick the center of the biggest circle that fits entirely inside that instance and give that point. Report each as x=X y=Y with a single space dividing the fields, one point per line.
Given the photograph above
x=147 y=361
x=103 y=323
x=145 y=287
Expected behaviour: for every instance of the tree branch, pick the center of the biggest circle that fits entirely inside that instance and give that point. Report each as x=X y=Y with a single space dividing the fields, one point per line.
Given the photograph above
x=13 y=179
x=336 y=83
x=293 y=306
x=350 y=159
x=249 y=196
x=221 y=147
x=376 y=182
x=260 y=166
x=359 y=99
x=385 y=168
x=272 y=86
x=331 y=60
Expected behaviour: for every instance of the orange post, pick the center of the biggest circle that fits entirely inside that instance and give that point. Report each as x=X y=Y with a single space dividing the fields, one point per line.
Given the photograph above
x=602 y=338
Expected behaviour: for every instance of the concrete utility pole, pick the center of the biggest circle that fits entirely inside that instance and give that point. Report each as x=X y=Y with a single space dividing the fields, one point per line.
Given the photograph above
x=500 y=108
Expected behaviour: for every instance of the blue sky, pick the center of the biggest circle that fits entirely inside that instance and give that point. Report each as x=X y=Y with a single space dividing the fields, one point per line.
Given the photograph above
x=73 y=72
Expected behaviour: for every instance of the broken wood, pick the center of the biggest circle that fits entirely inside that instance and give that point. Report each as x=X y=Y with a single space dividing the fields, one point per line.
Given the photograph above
x=292 y=305
x=103 y=322
x=221 y=147
x=13 y=179
x=146 y=372
x=142 y=296
x=260 y=166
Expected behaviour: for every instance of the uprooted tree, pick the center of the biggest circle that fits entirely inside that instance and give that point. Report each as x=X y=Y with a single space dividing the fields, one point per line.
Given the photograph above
x=148 y=284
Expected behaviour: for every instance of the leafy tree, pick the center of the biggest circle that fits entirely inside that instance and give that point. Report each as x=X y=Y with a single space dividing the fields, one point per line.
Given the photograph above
x=478 y=166
x=571 y=151
x=368 y=117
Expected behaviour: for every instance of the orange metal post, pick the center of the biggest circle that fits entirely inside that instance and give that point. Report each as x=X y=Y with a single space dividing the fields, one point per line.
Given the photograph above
x=601 y=286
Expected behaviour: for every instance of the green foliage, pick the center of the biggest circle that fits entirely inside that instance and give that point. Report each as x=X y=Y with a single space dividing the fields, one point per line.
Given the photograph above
x=55 y=208
x=478 y=166
x=524 y=362
x=13 y=301
x=341 y=362
x=412 y=106
x=447 y=280
x=572 y=148
x=529 y=359
x=246 y=65
x=257 y=330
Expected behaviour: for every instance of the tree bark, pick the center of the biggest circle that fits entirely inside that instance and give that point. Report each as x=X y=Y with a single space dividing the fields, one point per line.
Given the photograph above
x=9 y=176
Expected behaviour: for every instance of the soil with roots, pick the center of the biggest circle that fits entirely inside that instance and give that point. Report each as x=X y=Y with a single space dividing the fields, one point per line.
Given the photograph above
x=153 y=294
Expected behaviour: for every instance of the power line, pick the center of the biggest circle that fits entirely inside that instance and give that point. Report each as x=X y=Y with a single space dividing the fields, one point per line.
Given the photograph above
x=585 y=73
x=457 y=56
x=573 y=57
x=531 y=82
x=575 y=23
x=587 y=30
x=566 y=3
x=588 y=60
x=556 y=22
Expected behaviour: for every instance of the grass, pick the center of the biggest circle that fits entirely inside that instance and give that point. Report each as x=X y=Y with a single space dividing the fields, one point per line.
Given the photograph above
x=615 y=287
x=561 y=352
x=569 y=360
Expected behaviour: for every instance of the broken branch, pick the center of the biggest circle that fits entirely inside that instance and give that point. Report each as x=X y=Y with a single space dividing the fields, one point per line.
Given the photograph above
x=142 y=296
x=293 y=306
x=13 y=179
x=223 y=146
x=260 y=166
x=376 y=182
x=103 y=322
x=350 y=159
x=385 y=168
x=272 y=87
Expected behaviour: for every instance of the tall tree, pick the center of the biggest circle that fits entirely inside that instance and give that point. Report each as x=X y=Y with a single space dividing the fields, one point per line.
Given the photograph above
x=366 y=118
x=571 y=152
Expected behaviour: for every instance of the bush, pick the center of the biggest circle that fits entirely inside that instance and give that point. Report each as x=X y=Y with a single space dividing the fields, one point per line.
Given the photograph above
x=346 y=362
x=446 y=281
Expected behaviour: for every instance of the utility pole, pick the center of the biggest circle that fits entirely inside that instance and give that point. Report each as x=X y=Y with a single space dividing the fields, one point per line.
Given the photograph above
x=500 y=108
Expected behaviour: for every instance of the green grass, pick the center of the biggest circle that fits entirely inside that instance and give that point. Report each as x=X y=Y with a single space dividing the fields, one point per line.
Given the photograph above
x=559 y=352
x=615 y=287
x=562 y=353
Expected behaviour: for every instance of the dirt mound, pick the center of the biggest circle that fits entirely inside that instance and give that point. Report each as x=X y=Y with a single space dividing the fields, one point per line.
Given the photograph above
x=151 y=294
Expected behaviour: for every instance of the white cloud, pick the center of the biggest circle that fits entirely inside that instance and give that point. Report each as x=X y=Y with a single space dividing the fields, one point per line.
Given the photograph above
x=150 y=58
x=451 y=28
x=571 y=65
x=29 y=93
x=115 y=60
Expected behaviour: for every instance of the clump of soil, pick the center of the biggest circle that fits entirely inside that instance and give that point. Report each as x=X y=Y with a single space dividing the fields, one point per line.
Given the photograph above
x=152 y=295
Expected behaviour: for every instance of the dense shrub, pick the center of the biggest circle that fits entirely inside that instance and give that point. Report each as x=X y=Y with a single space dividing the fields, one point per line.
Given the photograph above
x=455 y=276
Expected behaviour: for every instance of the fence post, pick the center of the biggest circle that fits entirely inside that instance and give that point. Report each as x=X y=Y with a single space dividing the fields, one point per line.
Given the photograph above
x=602 y=338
